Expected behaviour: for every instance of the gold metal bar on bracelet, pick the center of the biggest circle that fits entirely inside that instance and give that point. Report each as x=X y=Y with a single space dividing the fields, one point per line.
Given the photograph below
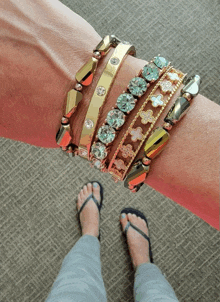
x=100 y=94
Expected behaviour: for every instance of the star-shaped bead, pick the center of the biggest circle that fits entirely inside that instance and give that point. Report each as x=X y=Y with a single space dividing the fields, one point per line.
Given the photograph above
x=127 y=151
x=136 y=134
x=166 y=86
x=120 y=165
x=173 y=76
x=147 y=117
x=157 y=100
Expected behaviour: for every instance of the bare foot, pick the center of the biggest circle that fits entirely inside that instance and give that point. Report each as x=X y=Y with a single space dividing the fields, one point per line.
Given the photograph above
x=89 y=217
x=138 y=245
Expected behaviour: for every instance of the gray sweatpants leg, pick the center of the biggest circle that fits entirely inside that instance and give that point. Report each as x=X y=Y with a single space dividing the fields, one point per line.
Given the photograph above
x=80 y=276
x=150 y=285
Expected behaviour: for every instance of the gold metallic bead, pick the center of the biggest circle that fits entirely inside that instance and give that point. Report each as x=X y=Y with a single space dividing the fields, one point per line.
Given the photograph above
x=167 y=126
x=104 y=46
x=78 y=87
x=156 y=142
x=97 y=55
x=85 y=75
x=136 y=176
x=73 y=99
x=64 y=120
x=187 y=96
x=146 y=161
x=63 y=137
x=177 y=111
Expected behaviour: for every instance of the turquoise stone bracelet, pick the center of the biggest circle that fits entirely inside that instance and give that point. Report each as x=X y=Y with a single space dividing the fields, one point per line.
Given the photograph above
x=125 y=103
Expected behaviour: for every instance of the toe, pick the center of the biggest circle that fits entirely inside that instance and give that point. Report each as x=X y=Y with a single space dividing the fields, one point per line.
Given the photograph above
x=96 y=191
x=79 y=202
x=123 y=220
x=81 y=194
x=85 y=190
x=89 y=188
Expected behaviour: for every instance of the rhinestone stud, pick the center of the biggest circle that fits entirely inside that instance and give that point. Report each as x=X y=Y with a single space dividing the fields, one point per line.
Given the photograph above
x=99 y=150
x=137 y=86
x=160 y=62
x=100 y=90
x=115 y=118
x=106 y=134
x=89 y=124
x=114 y=61
x=150 y=72
x=83 y=152
x=126 y=102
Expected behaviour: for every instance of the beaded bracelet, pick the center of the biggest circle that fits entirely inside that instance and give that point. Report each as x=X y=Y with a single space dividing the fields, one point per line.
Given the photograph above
x=125 y=103
x=160 y=136
x=100 y=95
x=143 y=123
x=84 y=77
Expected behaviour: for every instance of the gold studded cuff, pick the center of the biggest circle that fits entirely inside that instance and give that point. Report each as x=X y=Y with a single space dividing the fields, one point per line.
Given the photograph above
x=143 y=123
x=84 y=77
x=100 y=94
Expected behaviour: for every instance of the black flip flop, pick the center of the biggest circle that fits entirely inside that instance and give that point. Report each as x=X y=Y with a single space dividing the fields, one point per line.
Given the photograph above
x=141 y=215
x=99 y=204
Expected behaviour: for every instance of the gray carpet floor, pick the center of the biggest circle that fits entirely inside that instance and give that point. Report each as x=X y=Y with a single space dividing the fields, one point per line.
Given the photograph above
x=38 y=186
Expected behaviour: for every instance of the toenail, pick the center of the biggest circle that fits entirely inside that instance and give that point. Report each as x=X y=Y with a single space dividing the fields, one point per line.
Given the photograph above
x=123 y=216
x=95 y=185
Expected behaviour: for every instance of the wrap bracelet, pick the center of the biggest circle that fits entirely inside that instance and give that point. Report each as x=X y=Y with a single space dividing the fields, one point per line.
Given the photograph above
x=125 y=103
x=84 y=77
x=143 y=123
x=100 y=95
x=160 y=136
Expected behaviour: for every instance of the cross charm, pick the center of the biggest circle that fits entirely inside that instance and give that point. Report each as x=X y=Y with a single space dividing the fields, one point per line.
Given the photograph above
x=127 y=151
x=136 y=134
x=157 y=100
x=173 y=76
x=120 y=165
x=166 y=86
x=147 y=117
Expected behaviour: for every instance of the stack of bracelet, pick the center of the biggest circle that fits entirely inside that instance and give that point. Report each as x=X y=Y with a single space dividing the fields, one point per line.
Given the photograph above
x=167 y=81
x=125 y=103
x=160 y=136
x=84 y=77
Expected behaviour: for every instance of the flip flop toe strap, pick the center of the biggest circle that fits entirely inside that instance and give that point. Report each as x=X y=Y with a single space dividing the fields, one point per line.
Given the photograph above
x=85 y=202
x=97 y=203
x=137 y=229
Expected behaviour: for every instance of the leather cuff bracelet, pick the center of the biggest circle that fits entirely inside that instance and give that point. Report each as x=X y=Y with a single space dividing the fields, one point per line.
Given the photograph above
x=84 y=77
x=160 y=136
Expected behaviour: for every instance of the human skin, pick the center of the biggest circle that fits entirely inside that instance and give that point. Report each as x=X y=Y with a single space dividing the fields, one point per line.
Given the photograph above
x=42 y=46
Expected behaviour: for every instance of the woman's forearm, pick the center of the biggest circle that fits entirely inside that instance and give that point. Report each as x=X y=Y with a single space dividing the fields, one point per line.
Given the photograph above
x=42 y=49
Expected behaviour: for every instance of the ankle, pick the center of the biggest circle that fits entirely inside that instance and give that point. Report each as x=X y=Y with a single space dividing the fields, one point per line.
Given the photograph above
x=93 y=234
x=137 y=263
